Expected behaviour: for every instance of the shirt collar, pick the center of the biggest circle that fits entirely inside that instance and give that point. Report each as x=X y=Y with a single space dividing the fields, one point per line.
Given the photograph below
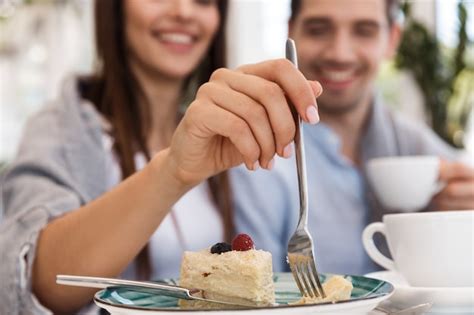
x=323 y=136
x=377 y=139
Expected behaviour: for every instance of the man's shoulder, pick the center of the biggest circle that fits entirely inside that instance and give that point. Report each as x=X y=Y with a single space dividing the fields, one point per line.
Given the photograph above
x=409 y=125
x=417 y=137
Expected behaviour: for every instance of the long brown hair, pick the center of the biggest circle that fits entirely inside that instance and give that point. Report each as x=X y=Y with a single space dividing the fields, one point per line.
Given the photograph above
x=114 y=90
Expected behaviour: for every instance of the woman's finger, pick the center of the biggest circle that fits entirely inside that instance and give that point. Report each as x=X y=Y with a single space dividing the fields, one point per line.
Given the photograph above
x=269 y=95
x=249 y=110
x=293 y=83
x=206 y=120
x=317 y=88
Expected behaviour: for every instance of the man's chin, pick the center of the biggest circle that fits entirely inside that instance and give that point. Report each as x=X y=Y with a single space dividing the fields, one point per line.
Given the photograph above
x=335 y=107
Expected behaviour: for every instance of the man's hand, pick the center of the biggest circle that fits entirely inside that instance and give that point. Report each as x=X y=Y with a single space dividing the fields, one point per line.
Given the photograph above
x=458 y=194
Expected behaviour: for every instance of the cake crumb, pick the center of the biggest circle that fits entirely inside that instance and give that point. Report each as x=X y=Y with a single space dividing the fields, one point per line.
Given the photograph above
x=336 y=289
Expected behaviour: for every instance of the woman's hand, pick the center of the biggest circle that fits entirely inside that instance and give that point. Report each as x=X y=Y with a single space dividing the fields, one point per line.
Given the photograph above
x=242 y=116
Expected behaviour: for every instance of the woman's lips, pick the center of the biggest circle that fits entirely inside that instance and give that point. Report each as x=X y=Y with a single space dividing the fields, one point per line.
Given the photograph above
x=177 y=42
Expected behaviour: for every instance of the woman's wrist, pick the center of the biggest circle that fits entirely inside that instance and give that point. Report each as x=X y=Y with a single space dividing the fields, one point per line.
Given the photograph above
x=166 y=170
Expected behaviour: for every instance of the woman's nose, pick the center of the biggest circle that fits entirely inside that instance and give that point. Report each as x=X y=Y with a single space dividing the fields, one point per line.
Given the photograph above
x=182 y=8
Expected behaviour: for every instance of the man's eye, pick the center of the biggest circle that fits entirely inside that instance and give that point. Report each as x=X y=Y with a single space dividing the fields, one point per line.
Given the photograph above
x=316 y=31
x=366 y=31
x=206 y=2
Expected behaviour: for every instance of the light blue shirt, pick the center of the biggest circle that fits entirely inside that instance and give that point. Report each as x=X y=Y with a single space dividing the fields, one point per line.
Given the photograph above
x=341 y=203
x=338 y=210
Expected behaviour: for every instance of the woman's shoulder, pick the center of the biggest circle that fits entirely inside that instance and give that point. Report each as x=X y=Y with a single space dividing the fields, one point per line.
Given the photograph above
x=63 y=143
x=69 y=115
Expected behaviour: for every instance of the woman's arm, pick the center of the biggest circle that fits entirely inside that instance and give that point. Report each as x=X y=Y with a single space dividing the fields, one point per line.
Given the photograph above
x=240 y=116
x=102 y=237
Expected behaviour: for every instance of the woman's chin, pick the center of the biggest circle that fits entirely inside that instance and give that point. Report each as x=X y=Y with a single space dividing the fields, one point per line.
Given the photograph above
x=179 y=72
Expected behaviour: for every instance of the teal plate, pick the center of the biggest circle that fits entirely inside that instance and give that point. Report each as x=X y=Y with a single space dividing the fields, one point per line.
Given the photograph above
x=366 y=295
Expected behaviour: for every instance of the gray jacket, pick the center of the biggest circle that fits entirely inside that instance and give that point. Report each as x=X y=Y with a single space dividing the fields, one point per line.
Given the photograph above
x=59 y=167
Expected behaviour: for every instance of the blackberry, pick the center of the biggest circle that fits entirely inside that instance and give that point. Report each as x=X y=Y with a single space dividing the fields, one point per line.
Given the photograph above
x=220 y=248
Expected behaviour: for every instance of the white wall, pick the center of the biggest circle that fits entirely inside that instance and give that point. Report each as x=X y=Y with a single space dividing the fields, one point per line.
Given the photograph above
x=39 y=45
x=257 y=30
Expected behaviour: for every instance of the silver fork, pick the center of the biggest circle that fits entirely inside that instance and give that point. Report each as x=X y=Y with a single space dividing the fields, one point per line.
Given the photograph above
x=300 y=247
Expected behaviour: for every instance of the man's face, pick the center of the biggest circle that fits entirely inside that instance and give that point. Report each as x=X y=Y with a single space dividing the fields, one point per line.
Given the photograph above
x=341 y=43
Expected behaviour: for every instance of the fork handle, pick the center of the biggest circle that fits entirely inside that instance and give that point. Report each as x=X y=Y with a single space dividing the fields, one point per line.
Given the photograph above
x=299 y=146
x=301 y=170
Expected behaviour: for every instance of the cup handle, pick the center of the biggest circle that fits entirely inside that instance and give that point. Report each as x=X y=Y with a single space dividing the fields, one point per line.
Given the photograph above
x=371 y=249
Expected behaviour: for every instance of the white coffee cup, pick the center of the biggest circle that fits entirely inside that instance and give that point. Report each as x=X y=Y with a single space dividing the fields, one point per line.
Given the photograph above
x=429 y=249
x=404 y=183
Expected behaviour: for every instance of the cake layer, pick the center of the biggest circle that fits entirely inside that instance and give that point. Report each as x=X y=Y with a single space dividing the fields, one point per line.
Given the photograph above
x=241 y=276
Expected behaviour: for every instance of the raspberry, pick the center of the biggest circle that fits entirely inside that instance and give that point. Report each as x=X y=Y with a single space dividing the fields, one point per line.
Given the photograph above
x=220 y=248
x=242 y=242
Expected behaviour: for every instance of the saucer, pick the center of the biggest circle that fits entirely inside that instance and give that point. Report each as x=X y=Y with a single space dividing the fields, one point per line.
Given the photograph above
x=457 y=300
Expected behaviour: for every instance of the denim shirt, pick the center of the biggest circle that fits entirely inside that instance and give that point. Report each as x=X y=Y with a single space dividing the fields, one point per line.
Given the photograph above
x=341 y=202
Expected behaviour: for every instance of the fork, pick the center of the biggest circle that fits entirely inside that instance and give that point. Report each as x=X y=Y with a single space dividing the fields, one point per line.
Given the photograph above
x=300 y=247
x=412 y=310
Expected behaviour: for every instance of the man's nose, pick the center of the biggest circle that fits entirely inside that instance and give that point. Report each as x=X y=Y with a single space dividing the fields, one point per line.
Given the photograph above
x=341 y=47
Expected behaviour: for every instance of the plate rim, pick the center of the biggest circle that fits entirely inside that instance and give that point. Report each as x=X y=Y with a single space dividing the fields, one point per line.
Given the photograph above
x=365 y=300
x=382 y=297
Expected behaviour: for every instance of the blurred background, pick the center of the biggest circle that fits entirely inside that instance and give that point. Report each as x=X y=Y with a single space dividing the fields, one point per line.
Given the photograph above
x=431 y=79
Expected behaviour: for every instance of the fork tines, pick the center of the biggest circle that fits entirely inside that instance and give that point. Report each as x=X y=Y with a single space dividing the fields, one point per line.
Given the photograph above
x=305 y=275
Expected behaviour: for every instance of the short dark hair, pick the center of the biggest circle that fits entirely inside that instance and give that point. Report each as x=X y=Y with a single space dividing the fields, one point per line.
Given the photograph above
x=392 y=9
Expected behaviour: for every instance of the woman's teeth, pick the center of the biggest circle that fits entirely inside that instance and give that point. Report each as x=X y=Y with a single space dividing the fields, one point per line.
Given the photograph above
x=177 y=38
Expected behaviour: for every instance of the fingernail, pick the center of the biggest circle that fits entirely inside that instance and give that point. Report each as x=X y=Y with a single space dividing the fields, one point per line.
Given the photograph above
x=271 y=164
x=288 y=151
x=255 y=166
x=312 y=114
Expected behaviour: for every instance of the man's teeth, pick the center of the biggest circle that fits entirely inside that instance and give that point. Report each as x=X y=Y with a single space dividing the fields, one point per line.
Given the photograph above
x=177 y=38
x=338 y=75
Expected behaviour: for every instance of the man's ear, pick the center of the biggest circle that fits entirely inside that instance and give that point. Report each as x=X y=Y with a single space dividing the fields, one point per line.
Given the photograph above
x=394 y=40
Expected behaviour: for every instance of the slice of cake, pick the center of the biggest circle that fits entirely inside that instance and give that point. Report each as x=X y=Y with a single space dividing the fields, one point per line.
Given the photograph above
x=237 y=273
